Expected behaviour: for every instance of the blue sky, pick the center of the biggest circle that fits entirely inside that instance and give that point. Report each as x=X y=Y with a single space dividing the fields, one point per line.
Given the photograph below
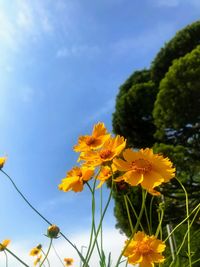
x=61 y=65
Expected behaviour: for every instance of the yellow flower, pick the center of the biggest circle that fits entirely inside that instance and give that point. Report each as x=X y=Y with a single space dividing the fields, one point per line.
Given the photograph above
x=68 y=261
x=38 y=259
x=76 y=178
x=4 y=244
x=36 y=250
x=2 y=162
x=105 y=173
x=111 y=148
x=94 y=141
x=144 y=250
x=145 y=168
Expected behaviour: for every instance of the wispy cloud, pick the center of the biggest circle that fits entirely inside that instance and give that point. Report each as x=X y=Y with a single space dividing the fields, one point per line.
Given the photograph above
x=29 y=21
x=55 y=202
x=78 y=50
x=167 y=3
x=175 y=3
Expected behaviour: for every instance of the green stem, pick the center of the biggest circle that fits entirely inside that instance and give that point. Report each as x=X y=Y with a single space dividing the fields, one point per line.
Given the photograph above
x=160 y=218
x=15 y=256
x=51 y=240
x=98 y=229
x=147 y=218
x=134 y=211
x=144 y=194
x=180 y=247
x=93 y=228
x=128 y=213
x=6 y=258
x=188 y=221
x=186 y=218
x=101 y=210
x=151 y=213
x=47 y=258
x=41 y=216
x=58 y=255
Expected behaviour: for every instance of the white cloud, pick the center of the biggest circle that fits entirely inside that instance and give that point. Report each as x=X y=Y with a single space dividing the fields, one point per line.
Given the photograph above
x=113 y=242
x=27 y=21
x=78 y=50
x=175 y=3
x=167 y=3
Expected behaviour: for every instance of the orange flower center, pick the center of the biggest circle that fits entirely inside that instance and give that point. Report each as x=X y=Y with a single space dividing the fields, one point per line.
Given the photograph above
x=141 y=165
x=90 y=140
x=79 y=173
x=143 y=248
x=104 y=154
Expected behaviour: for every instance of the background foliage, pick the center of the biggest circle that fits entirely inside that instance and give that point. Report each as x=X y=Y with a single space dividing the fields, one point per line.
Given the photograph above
x=160 y=108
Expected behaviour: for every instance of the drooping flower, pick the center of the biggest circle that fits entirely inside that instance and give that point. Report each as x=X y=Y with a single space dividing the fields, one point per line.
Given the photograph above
x=68 y=261
x=105 y=173
x=145 y=168
x=110 y=149
x=144 y=250
x=38 y=259
x=94 y=141
x=36 y=250
x=2 y=161
x=4 y=244
x=76 y=178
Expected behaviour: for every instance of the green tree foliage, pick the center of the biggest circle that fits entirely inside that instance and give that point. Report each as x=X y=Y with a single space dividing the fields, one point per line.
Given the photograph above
x=131 y=101
x=183 y=42
x=160 y=108
x=177 y=106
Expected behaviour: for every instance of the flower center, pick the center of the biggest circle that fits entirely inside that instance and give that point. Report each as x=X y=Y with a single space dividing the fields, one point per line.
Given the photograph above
x=144 y=248
x=141 y=165
x=104 y=154
x=79 y=173
x=90 y=140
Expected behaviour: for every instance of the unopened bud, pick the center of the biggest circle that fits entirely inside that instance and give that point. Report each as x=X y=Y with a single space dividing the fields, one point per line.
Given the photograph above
x=53 y=231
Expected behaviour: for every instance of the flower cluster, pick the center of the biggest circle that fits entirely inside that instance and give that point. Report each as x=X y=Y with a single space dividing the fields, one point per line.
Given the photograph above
x=102 y=150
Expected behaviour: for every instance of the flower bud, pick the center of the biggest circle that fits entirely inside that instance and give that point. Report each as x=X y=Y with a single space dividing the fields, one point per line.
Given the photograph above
x=53 y=231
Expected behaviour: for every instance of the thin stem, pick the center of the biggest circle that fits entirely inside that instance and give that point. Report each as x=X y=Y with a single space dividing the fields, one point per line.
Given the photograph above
x=46 y=255
x=144 y=194
x=58 y=255
x=16 y=257
x=151 y=213
x=180 y=247
x=6 y=256
x=134 y=211
x=41 y=216
x=101 y=210
x=188 y=221
x=93 y=228
x=47 y=258
x=99 y=227
x=128 y=213
x=160 y=218
x=186 y=218
x=147 y=218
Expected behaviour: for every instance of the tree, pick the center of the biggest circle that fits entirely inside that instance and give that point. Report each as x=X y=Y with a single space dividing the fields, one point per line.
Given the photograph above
x=160 y=108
